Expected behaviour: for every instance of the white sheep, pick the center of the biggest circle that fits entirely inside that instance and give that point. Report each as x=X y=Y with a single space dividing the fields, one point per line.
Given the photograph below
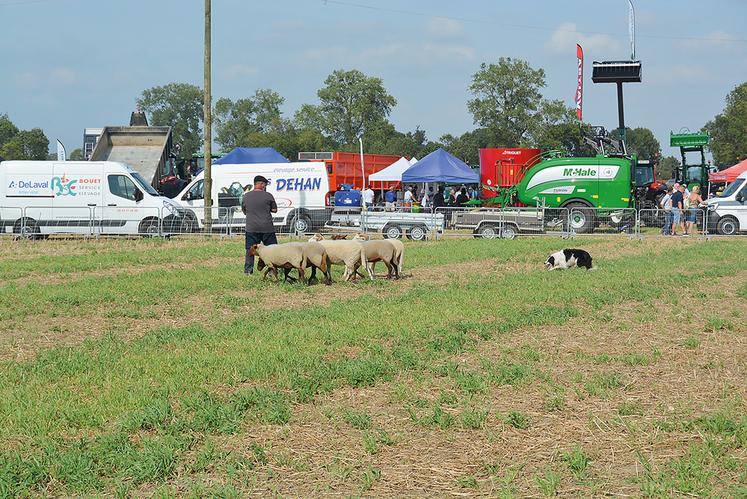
x=380 y=251
x=399 y=251
x=285 y=256
x=316 y=257
x=343 y=252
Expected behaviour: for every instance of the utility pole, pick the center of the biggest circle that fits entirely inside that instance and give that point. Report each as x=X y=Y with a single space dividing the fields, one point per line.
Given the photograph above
x=207 y=120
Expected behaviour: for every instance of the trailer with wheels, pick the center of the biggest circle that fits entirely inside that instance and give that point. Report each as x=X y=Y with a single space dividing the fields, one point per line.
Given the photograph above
x=391 y=225
x=501 y=224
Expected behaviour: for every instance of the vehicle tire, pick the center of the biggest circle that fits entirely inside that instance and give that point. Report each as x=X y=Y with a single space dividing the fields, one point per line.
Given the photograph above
x=509 y=232
x=621 y=221
x=189 y=223
x=488 y=231
x=149 y=228
x=300 y=224
x=727 y=226
x=581 y=218
x=27 y=228
x=418 y=233
x=392 y=231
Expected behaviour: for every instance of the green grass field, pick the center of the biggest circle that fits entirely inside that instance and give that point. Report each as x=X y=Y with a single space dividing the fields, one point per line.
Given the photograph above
x=150 y=367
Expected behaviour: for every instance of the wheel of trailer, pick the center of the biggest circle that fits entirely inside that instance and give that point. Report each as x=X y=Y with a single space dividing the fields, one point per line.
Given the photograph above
x=26 y=228
x=392 y=231
x=509 y=232
x=488 y=231
x=301 y=224
x=581 y=218
x=418 y=233
x=149 y=228
x=727 y=226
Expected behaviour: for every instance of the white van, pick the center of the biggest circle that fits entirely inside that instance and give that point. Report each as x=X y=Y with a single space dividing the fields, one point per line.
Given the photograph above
x=80 y=197
x=728 y=212
x=299 y=189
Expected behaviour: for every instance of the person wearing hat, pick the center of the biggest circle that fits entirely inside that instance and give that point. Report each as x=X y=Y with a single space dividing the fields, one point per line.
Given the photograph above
x=258 y=205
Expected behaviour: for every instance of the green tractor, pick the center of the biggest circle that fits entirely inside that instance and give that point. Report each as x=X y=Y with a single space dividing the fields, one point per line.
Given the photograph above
x=691 y=174
x=599 y=189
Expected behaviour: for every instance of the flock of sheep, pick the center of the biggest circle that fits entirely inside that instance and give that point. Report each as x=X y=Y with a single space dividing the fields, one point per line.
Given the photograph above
x=320 y=253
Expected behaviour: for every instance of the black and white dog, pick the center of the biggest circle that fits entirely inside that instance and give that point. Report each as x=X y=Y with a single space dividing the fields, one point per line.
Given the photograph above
x=568 y=258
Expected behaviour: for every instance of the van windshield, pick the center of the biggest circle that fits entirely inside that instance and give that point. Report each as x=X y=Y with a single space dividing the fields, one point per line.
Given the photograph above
x=143 y=184
x=733 y=187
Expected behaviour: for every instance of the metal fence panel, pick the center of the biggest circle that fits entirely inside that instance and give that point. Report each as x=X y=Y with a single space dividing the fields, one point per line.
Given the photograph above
x=11 y=220
x=602 y=221
x=127 y=220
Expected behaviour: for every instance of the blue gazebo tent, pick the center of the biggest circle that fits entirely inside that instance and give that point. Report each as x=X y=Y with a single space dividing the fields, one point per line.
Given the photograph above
x=249 y=155
x=440 y=166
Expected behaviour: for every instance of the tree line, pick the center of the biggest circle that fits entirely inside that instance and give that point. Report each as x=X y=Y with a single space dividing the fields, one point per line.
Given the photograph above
x=507 y=106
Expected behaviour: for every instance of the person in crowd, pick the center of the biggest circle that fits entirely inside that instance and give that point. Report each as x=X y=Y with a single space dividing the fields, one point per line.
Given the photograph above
x=409 y=198
x=368 y=197
x=666 y=205
x=692 y=203
x=390 y=199
x=424 y=204
x=258 y=205
x=438 y=198
x=452 y=197
x=678 y=200
x=462 y=197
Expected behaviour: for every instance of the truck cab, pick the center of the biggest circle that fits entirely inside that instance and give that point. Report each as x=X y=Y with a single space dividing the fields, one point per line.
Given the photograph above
x=727 y=214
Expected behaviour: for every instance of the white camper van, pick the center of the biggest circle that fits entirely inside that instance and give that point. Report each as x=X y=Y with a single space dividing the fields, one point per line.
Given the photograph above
x=299 y=190
x=81 y=197
x=728 y=212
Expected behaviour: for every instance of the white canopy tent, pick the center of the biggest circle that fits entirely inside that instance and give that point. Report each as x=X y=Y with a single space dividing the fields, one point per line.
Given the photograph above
x=393 y=172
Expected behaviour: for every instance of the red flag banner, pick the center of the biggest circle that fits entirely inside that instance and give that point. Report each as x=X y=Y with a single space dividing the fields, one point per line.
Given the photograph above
x=580 y=85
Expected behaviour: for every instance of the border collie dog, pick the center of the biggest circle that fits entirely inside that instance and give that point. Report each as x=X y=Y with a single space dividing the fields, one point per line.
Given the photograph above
x=567 y=258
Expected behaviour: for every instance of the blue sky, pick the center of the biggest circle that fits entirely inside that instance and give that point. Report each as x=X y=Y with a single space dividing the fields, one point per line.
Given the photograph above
x=70 y=64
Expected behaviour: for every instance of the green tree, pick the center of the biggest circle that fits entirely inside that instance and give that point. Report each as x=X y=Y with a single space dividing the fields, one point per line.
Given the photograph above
x=508 y=100
x=77 y=155
x=7 y=129
x=236 y=120
x=641 y=142
x=351 y=105
x=26 y=144
x=666 y=166
x=729 y=129
x=178 y=105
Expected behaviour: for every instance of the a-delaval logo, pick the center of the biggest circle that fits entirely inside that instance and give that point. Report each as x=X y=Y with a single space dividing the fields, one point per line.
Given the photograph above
x=63 y=186
x=298 y=184
x=12 y=185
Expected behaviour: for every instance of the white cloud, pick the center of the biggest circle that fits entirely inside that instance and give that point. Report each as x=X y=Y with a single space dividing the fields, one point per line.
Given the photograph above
x=565 y=38
x=63 y=75
x=676 y=74
x=239 y=71
x=442 y=27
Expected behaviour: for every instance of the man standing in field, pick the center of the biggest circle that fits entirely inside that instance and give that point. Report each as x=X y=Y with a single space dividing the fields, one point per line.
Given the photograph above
x=677 y=203
x=258 y=205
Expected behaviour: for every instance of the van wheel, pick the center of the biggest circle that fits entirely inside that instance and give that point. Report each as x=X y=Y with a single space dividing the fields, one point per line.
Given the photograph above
x=26 y=228
x=418 y=233
x=301 y=224
x=149 y=228
x=728 y=226
x=392 y=231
